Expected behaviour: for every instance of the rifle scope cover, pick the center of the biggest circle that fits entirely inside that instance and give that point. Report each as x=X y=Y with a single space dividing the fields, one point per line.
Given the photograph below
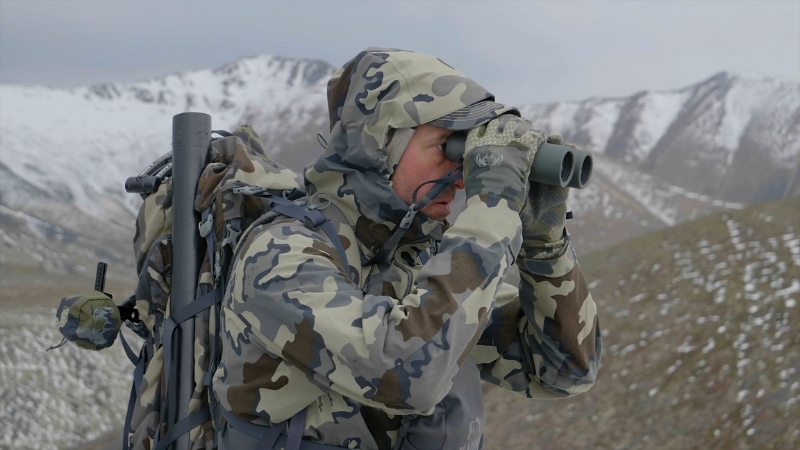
x=556 y=165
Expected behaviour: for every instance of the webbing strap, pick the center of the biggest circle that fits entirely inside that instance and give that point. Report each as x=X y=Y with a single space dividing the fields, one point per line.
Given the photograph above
x=298 y=212
x=170 y=324
x=129 y=416
x=337 y=244
x=138 y=372
x=128 y=351
x=312 y=218
x=194 y=308
x=182 y=427
x=297 y=423
x=214 y=360
x=138 y=377
x=206 y=300
x=268 y=434
x=211 y=241
x=272 y=434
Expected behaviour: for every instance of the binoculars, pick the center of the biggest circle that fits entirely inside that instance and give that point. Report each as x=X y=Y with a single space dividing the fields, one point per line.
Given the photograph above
x=556 y=165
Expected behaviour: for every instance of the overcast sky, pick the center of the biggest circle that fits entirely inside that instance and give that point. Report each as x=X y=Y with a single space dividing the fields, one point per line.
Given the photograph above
x=523 y=51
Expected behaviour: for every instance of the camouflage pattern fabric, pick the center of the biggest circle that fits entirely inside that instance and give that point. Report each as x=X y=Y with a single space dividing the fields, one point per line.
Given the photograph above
x=370 y=357
x=236 y=161
x=89 y=320
x=498 y=159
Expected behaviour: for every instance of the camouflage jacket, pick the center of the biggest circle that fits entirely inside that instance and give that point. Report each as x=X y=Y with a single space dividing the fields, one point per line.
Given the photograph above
x=370 y=352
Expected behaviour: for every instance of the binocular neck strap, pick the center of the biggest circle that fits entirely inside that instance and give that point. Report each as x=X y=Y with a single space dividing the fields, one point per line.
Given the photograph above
x=439 y=185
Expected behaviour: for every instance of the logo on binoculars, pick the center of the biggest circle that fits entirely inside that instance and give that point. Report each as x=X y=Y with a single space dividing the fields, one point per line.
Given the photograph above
x=488 y=160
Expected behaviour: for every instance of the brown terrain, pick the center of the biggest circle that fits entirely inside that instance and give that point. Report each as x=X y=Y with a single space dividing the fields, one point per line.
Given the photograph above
x=701 y=348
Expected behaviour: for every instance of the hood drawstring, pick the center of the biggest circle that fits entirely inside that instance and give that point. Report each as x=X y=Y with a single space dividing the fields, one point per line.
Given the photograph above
x=388 y=248
x=321 y=141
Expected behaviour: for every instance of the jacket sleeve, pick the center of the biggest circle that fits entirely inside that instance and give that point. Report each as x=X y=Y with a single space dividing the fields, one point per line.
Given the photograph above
x=544 y=338
x=290 y=293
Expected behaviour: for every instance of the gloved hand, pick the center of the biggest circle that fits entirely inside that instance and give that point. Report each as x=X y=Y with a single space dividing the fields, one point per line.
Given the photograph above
x=544 y=217
x=498 y=158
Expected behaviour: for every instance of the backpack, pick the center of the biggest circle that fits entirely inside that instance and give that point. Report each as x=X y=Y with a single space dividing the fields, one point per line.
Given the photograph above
x=239 y=186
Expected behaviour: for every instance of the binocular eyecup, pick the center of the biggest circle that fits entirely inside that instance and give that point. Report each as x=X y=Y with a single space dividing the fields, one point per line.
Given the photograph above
x=556 y=165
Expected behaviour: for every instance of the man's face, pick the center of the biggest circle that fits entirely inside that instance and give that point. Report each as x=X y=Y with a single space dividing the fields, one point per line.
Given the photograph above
x=424 y=160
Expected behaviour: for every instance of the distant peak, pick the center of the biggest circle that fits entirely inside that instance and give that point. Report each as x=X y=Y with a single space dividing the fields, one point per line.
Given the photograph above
x=107 y=91
x=720 y=76
x=312 y=70
x=730 y=76
x=271 y=59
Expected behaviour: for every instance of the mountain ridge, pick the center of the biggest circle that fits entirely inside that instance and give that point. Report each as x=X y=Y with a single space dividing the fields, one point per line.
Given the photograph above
x=703 y=137
x=73 y=148
x=284 y=99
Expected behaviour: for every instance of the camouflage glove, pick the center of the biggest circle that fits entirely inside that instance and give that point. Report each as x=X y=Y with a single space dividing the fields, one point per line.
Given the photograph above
x=498 y=158
x=544 y=217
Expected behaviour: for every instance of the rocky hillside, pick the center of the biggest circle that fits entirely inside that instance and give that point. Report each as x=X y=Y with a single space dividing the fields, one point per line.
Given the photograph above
x=700 y=326
x=702 y=350
x=662 y=157
x=732 y=136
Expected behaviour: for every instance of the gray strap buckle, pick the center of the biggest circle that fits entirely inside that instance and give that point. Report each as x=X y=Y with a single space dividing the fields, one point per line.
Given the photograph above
x=408 y=218
x=206 y=225
x=231 y=235
x=248 y=190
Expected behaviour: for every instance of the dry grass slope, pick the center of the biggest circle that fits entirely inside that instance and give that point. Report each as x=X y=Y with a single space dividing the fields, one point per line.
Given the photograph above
x=702 y=350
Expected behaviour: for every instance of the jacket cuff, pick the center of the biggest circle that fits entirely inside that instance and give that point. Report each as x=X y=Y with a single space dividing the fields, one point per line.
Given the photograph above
x=555 y=267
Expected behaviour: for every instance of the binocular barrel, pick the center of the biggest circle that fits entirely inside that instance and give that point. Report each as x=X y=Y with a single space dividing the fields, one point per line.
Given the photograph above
x=556 y=165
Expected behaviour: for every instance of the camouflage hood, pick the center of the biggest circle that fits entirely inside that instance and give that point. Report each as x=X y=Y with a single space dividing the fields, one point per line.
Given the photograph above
x=378 y=91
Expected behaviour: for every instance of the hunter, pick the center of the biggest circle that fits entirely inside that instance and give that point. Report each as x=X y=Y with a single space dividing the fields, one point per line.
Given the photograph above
x=385 y=347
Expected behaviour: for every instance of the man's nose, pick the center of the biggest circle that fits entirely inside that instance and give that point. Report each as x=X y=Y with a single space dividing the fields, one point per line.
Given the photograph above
x=460 y=183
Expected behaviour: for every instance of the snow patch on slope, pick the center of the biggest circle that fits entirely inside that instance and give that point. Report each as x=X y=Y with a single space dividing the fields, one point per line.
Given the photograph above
x=603 y=116
x=660 y=110
x=659 y=199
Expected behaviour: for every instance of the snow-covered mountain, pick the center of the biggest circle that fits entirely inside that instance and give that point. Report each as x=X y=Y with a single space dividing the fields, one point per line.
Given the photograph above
x=79 y=145
x=662 y=158
x=734 y=137
x=65 y=153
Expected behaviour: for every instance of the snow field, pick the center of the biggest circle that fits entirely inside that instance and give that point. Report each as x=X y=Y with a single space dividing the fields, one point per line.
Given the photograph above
x=58 y=398
x=93 y=138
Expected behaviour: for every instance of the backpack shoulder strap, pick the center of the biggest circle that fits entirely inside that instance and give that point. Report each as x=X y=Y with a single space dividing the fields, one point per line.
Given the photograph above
x=302 y=210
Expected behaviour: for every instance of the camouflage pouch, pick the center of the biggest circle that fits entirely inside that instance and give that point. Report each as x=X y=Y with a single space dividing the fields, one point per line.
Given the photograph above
x=89 y=320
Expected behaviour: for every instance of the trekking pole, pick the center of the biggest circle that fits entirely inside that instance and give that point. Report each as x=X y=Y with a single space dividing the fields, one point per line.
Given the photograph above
x=191 y=138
